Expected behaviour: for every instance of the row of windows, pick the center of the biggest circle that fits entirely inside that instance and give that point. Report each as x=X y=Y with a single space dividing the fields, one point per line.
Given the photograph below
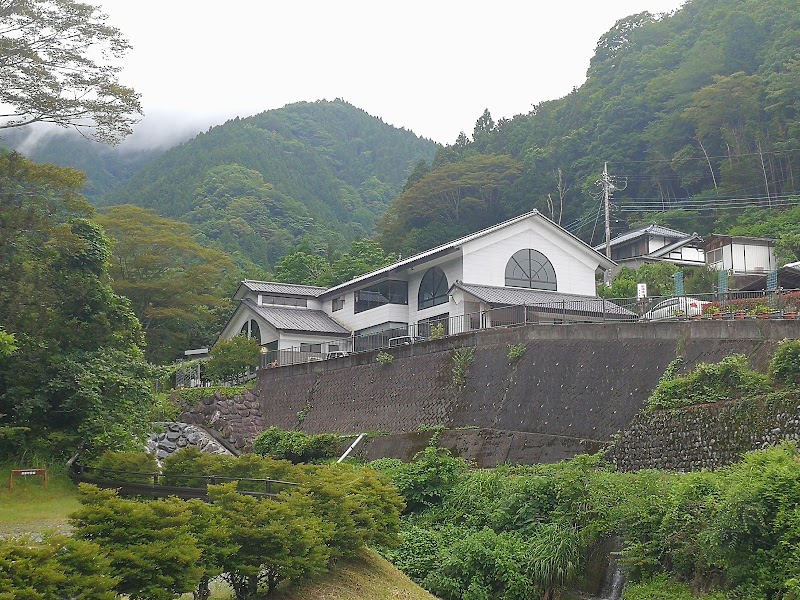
x=527 y=268
x=284 y=301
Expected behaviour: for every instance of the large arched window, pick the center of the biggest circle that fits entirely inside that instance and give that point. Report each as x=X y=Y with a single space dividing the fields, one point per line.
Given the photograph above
x=251 y=330
x=530 y=269
x=433 y=289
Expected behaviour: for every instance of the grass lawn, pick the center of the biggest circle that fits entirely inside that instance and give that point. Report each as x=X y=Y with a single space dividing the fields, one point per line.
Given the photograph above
x=29 y=508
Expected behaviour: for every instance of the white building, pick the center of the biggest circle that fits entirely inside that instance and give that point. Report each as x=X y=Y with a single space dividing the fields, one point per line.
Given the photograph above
x=526 y=260
x=740 y=255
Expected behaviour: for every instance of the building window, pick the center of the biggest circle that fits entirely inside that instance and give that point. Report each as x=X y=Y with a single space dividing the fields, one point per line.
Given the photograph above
x=337 y=303
x=284 y=301
x=433 y=288
x=385 y=292
x=310 y=347
x=530 y=269
x=251 y=330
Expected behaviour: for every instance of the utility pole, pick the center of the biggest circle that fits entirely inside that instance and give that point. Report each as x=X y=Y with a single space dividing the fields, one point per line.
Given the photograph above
x=608 y=187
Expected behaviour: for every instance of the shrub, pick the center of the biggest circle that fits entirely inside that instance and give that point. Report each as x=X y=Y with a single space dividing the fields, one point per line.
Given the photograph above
x=58 y=567
x=784 y=368
x=190 y=396
x=728 y=379
x=424 y=481
x=130 y=463
x=515 y=352
x=437 y=332
x=384 y=358
x=296 y=446
x=462 y=359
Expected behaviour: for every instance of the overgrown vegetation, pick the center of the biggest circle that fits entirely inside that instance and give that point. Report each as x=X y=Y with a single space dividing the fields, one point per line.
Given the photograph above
x=384 y=358
x=296 y=446
x=515 y=352
x=462 y=359
x=731 y=378
x=527 y=533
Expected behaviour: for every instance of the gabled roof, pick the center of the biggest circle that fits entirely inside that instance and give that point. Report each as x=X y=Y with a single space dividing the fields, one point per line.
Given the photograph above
x=674 y=246
x=455 y=245
x=511 y=296
x=652 y=229
x=297 y=319
x=278 y=288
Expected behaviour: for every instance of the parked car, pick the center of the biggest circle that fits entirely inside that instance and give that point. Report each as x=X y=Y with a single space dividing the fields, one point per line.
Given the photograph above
x=675 y=308
x=336 y=354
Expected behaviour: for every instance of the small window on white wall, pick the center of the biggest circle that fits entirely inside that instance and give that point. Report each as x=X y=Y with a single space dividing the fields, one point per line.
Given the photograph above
x=530 y=269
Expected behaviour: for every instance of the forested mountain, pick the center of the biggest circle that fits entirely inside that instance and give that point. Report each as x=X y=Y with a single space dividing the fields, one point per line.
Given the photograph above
x=696 y=114
x=318 y=173
x=106 y=167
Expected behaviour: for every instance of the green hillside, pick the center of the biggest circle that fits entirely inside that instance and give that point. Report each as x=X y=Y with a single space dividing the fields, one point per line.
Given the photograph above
x=318 y=172
x=696 y=113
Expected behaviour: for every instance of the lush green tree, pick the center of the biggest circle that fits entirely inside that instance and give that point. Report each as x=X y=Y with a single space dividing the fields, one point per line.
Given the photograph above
x=78 y=368
x=231 y=359
x=151 y=545
x=172 y=281
x=277 y=541
x=56 y=66
x=55 y=568
x=7 y=343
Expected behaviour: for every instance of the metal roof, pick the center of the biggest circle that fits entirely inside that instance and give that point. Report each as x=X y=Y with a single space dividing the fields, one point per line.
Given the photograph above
x=456 y=244
x=652 y=229
x=297 y=319
x=282 y=289
x=512 y=296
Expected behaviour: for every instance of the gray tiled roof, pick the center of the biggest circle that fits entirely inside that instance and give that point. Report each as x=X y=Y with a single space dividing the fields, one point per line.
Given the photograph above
x=283 y=289
x=522 y=296
x=653 y=229
x=297 y=319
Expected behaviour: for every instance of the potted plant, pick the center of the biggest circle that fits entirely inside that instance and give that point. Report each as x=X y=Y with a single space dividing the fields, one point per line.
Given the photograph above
x=714 y=312
x=790 y=312
x=761 y=311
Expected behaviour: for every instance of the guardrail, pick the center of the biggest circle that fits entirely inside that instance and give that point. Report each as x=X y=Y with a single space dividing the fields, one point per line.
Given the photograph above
x=557 y=312
x=160 y=485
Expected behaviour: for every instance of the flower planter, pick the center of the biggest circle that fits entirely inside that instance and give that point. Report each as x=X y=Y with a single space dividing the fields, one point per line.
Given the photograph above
x=791 y=315
x=739 y=316
x=717 y=316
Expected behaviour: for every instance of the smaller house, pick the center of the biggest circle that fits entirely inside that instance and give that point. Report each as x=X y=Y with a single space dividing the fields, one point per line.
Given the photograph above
x=656 y=243
x=740 y=255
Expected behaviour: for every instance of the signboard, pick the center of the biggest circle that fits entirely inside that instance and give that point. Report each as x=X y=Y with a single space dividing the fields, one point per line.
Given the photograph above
x=641 y=290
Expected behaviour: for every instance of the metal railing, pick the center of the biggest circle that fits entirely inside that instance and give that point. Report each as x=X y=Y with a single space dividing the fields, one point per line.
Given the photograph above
x=166 y=484
x=727 y=305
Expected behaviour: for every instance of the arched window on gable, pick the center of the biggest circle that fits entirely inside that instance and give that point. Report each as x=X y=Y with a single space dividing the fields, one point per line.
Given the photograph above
x=251 y=330
x=433 y=288
x=530 y=269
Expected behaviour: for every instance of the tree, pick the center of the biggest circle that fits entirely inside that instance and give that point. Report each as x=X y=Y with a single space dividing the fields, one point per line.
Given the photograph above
x=49 y=73
x=276 y=541
x=78 y=368
x=173 y=282
x=151 y=546
x=233 y=358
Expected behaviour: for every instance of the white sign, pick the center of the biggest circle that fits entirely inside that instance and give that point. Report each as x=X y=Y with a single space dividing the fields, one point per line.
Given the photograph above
x=641 y=290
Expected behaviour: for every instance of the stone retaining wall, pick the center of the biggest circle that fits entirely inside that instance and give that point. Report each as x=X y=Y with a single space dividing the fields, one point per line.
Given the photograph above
x=706 y=436
x=182 y=435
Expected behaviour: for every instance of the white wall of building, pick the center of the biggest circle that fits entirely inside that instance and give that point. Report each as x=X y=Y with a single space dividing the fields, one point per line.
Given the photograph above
x=485 y=259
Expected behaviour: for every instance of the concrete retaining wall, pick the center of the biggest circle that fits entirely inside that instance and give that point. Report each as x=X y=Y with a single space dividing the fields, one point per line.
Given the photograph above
x=575 y=387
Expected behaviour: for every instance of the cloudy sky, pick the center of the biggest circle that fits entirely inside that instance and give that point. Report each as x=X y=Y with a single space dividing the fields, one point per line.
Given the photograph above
x=431 y=66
